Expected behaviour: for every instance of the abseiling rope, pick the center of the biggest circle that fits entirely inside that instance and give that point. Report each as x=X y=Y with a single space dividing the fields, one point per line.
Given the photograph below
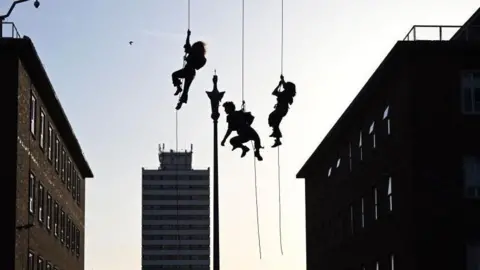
x=176 y=150
x=278 y=157
x=243 y=108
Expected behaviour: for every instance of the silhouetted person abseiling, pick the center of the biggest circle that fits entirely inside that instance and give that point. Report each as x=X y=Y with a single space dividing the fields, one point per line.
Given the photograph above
x=241 y=122
x=195 y=60
x=284 y=99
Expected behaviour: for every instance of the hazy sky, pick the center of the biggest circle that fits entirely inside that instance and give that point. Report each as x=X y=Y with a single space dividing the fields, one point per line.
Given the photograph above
x=120 y=101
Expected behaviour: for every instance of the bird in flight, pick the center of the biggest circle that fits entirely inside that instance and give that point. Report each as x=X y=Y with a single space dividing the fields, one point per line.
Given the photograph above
x=131 y=42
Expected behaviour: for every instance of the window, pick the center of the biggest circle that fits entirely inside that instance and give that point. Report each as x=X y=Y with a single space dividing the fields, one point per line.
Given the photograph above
x=62 y=226
x=471 y=92
x=392 y=262
x=68 y=231
x=352 y=223
x=31 y=261
x=473 y=257
x=77 y=236
x=56 y=219
x=377 y=266
x=74 y=237
x=329 y=171
x=386 y=117
x=40 y=263
x=49 y=211
x=79 y=188
x=49 y=266
x=57 y=153
x=63 y=165
x=363 y=213
x=41 y=202
x=371 y=131
x=375 y=201
x=69 y=174
x=389 y=194
x=360 y=144
x=49 y=142
x=74 y=184
x=350 y=155
x=42 y=129
x=33 y=114
x=31 y=193
x=471 y=174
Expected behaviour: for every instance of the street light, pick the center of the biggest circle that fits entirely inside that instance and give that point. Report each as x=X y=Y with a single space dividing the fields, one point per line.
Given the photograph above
x=215 y=98
x=36 y=4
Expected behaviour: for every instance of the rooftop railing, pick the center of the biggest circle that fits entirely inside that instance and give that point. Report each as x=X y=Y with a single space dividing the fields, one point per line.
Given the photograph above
x=9 y=30
x=441 y=33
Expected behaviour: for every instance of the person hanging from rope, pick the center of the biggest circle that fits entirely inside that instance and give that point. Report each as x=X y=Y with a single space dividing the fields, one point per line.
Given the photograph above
x=241 y=122
x=194 y=60
x=284 y=99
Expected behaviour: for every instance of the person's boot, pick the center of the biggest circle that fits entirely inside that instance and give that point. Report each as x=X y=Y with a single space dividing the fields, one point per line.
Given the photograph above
x=277 y=143
x=179 y=90
x=244 y=151
x=257 y=155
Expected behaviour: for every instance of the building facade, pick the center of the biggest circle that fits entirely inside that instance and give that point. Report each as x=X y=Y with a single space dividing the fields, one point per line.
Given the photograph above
x=175 y=214
x=395 y=184
x=45 y=206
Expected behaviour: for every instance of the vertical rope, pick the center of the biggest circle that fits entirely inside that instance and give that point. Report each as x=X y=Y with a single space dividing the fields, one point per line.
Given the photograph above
x=278 y=156
x=243 y=108
x=243 y=53
x=189 y=14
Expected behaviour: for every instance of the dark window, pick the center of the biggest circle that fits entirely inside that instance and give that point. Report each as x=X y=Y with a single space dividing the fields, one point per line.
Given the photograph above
x=42 y=129
x=63 y=166
x=69 y=174
x=49 y=265
x=74 y=184
x=33 y=114
x=79 y=188
x=50 y=142
x=31 y=193
x=56 y=218
x=470 y=93
x=31 y=261
x=40 y=263
x=57 y=154
x=68 y=231
x=77 y=236
x=74 y=237
x=49 y=211
x=62 y=225
x=41 y=202
x=389 y=195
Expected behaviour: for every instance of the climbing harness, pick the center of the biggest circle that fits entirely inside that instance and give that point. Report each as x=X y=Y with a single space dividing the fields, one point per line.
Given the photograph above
x=278 y=154
x=243 y=109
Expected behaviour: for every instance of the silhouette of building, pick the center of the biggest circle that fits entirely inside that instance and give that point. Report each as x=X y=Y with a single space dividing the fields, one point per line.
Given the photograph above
x=175 y=214
x=45 y=206
x=395 y=184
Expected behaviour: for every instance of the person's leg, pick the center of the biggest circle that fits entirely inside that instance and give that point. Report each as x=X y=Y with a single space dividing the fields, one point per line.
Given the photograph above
x=176 y=76
x=257 y=143
x=237 y=142
x=190 y=75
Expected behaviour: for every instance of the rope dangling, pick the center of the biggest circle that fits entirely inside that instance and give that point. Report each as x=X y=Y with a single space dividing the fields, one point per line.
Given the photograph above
x=243 y=109
x=176 y=147
x=278 y=155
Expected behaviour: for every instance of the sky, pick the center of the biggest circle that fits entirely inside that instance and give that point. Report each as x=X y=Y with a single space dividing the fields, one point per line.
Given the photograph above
x=119 y=100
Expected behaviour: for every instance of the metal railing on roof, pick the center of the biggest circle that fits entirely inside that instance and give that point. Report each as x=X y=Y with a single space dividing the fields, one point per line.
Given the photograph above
x=441 y=32
x=431 y=32
x=9 y=30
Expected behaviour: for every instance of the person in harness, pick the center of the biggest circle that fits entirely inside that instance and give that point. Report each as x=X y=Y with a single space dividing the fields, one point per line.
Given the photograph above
x=241 y=122
x=284 y=99
x=194 y=60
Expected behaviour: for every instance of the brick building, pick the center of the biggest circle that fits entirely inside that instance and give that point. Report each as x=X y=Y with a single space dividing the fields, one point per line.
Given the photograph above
x=395 y=184
x=45 y=206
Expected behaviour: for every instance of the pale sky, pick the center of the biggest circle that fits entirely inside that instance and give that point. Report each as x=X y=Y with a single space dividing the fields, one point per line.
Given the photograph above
x=119 y=99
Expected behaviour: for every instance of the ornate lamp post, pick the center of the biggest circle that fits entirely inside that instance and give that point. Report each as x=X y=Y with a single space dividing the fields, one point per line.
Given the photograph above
x=36 y=4
x=215 y=98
